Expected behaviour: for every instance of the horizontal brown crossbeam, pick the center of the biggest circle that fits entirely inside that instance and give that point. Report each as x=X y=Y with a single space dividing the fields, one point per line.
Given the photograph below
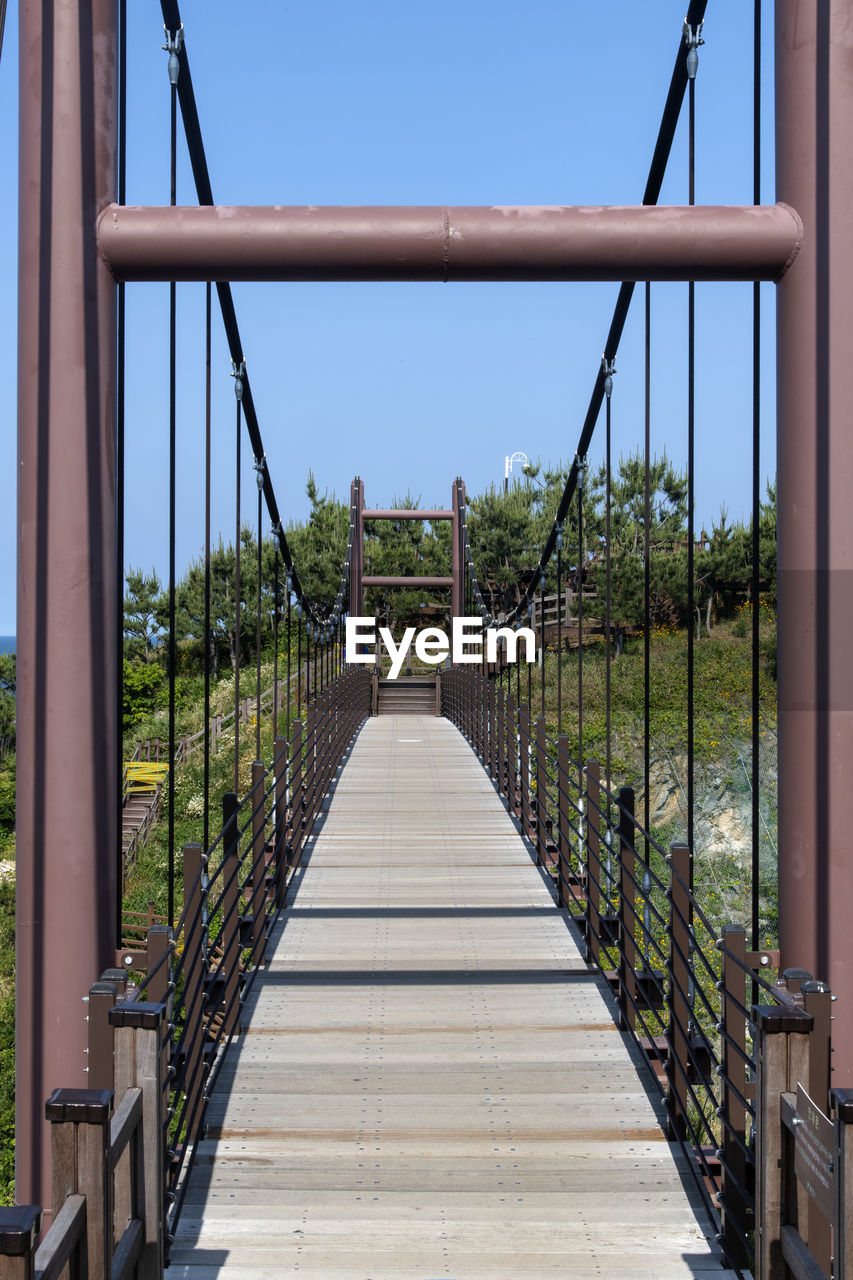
x=395 y=513
x=406 y=582
x=500 y=242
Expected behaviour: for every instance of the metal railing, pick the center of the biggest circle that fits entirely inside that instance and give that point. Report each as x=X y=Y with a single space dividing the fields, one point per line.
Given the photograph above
x=686 y=987
x=198 y=976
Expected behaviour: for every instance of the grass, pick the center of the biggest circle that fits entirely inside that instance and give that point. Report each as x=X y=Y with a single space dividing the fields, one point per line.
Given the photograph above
x=723 y=721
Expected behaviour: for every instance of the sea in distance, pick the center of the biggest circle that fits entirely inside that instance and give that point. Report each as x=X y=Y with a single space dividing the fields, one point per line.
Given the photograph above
x=7 y=644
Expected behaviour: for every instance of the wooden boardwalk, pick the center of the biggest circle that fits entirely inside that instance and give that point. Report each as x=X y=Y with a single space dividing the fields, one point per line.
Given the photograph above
x=431 y=1082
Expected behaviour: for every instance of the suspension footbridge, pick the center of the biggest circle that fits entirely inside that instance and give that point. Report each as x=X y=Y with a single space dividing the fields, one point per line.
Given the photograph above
x=430 y=995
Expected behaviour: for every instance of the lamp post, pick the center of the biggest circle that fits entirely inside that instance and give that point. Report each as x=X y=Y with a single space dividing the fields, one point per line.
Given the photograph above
x=508 y=461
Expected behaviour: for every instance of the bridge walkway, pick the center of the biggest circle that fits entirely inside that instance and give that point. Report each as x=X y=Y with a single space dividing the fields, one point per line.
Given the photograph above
x=431 y=1081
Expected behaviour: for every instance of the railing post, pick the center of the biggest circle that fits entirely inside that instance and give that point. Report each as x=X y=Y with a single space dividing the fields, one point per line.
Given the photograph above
x=159 y=946
x=18 y=1230
x=565 y=896
x=511 y=743
x=139 y=1033
x=627 y=911
x=102 y=997
x=374 y=693
x=296 y=794
x=437 y=692
x=258 y=865
x=80 y=1165
x=843 y=1163
x=593 y=863
x=195 y=971
x=782 y=1046
x=817 y=1001
x=494 y=754
x=309 y=784
x=733 y=1075
x=541 y=810
x=280 y=831
x=230 y=899
x=678 y=1005
x=524 y=771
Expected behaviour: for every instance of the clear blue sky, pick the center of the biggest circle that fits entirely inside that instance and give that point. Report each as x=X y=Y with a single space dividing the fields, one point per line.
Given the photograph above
x=553 y=102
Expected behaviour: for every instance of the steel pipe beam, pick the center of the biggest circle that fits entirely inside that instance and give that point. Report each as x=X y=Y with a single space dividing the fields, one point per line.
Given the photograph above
x=395 y=513
x=502 y=242
x=405 y=581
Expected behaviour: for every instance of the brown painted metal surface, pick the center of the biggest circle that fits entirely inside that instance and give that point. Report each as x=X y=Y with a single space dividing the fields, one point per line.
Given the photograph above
x=67 y=661
x=399 y=580
x=393 y=513
x=510 y=242
x=814 y=161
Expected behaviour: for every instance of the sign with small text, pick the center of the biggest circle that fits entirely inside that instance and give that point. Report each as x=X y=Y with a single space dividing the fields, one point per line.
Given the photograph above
x=814 y=1143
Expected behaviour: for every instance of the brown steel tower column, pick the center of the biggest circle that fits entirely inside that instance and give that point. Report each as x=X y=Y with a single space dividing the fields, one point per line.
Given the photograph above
x=814 y=150
x=356 y=571
x=457 y=568
x=67 y=660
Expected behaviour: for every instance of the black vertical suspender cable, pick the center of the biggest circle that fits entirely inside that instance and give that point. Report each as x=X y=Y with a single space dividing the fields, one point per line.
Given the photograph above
x=647 y=574
x=691 y=388
x=120 y=427
x=756 y=486
x=581 y=475
x=207 y=637
x=299 y=668
x=237 y=593
x=275 y=650
x=307 y=663
x=608 y=586
x=542 y=630
x=289 y=659
x=173 y=95
x=258 y=618
x=560 y=633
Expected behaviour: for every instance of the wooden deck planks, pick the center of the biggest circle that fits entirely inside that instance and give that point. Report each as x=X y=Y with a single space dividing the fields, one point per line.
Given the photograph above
x=431 y=1082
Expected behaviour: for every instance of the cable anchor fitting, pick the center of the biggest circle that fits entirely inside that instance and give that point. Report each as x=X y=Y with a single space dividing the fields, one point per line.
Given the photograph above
x=581 y=464
x=608 y=368
x=693 y=39
x=174 y=44
x=260 y=470
x=238 y=373
x=558 y=525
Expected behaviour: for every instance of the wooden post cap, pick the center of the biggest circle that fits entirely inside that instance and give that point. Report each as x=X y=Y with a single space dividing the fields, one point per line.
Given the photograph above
x=19 y=1227
x=79 y=1106
x=843 y=1102
x=774 y=1019
x=140 y=1015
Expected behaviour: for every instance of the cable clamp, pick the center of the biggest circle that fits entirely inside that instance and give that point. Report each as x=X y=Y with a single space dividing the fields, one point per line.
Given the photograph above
x=558 y=526
x=238 y=373
x=693 y=39
x=260 y=466
x=608 y=368
x=581 y=464
x=174 y=44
